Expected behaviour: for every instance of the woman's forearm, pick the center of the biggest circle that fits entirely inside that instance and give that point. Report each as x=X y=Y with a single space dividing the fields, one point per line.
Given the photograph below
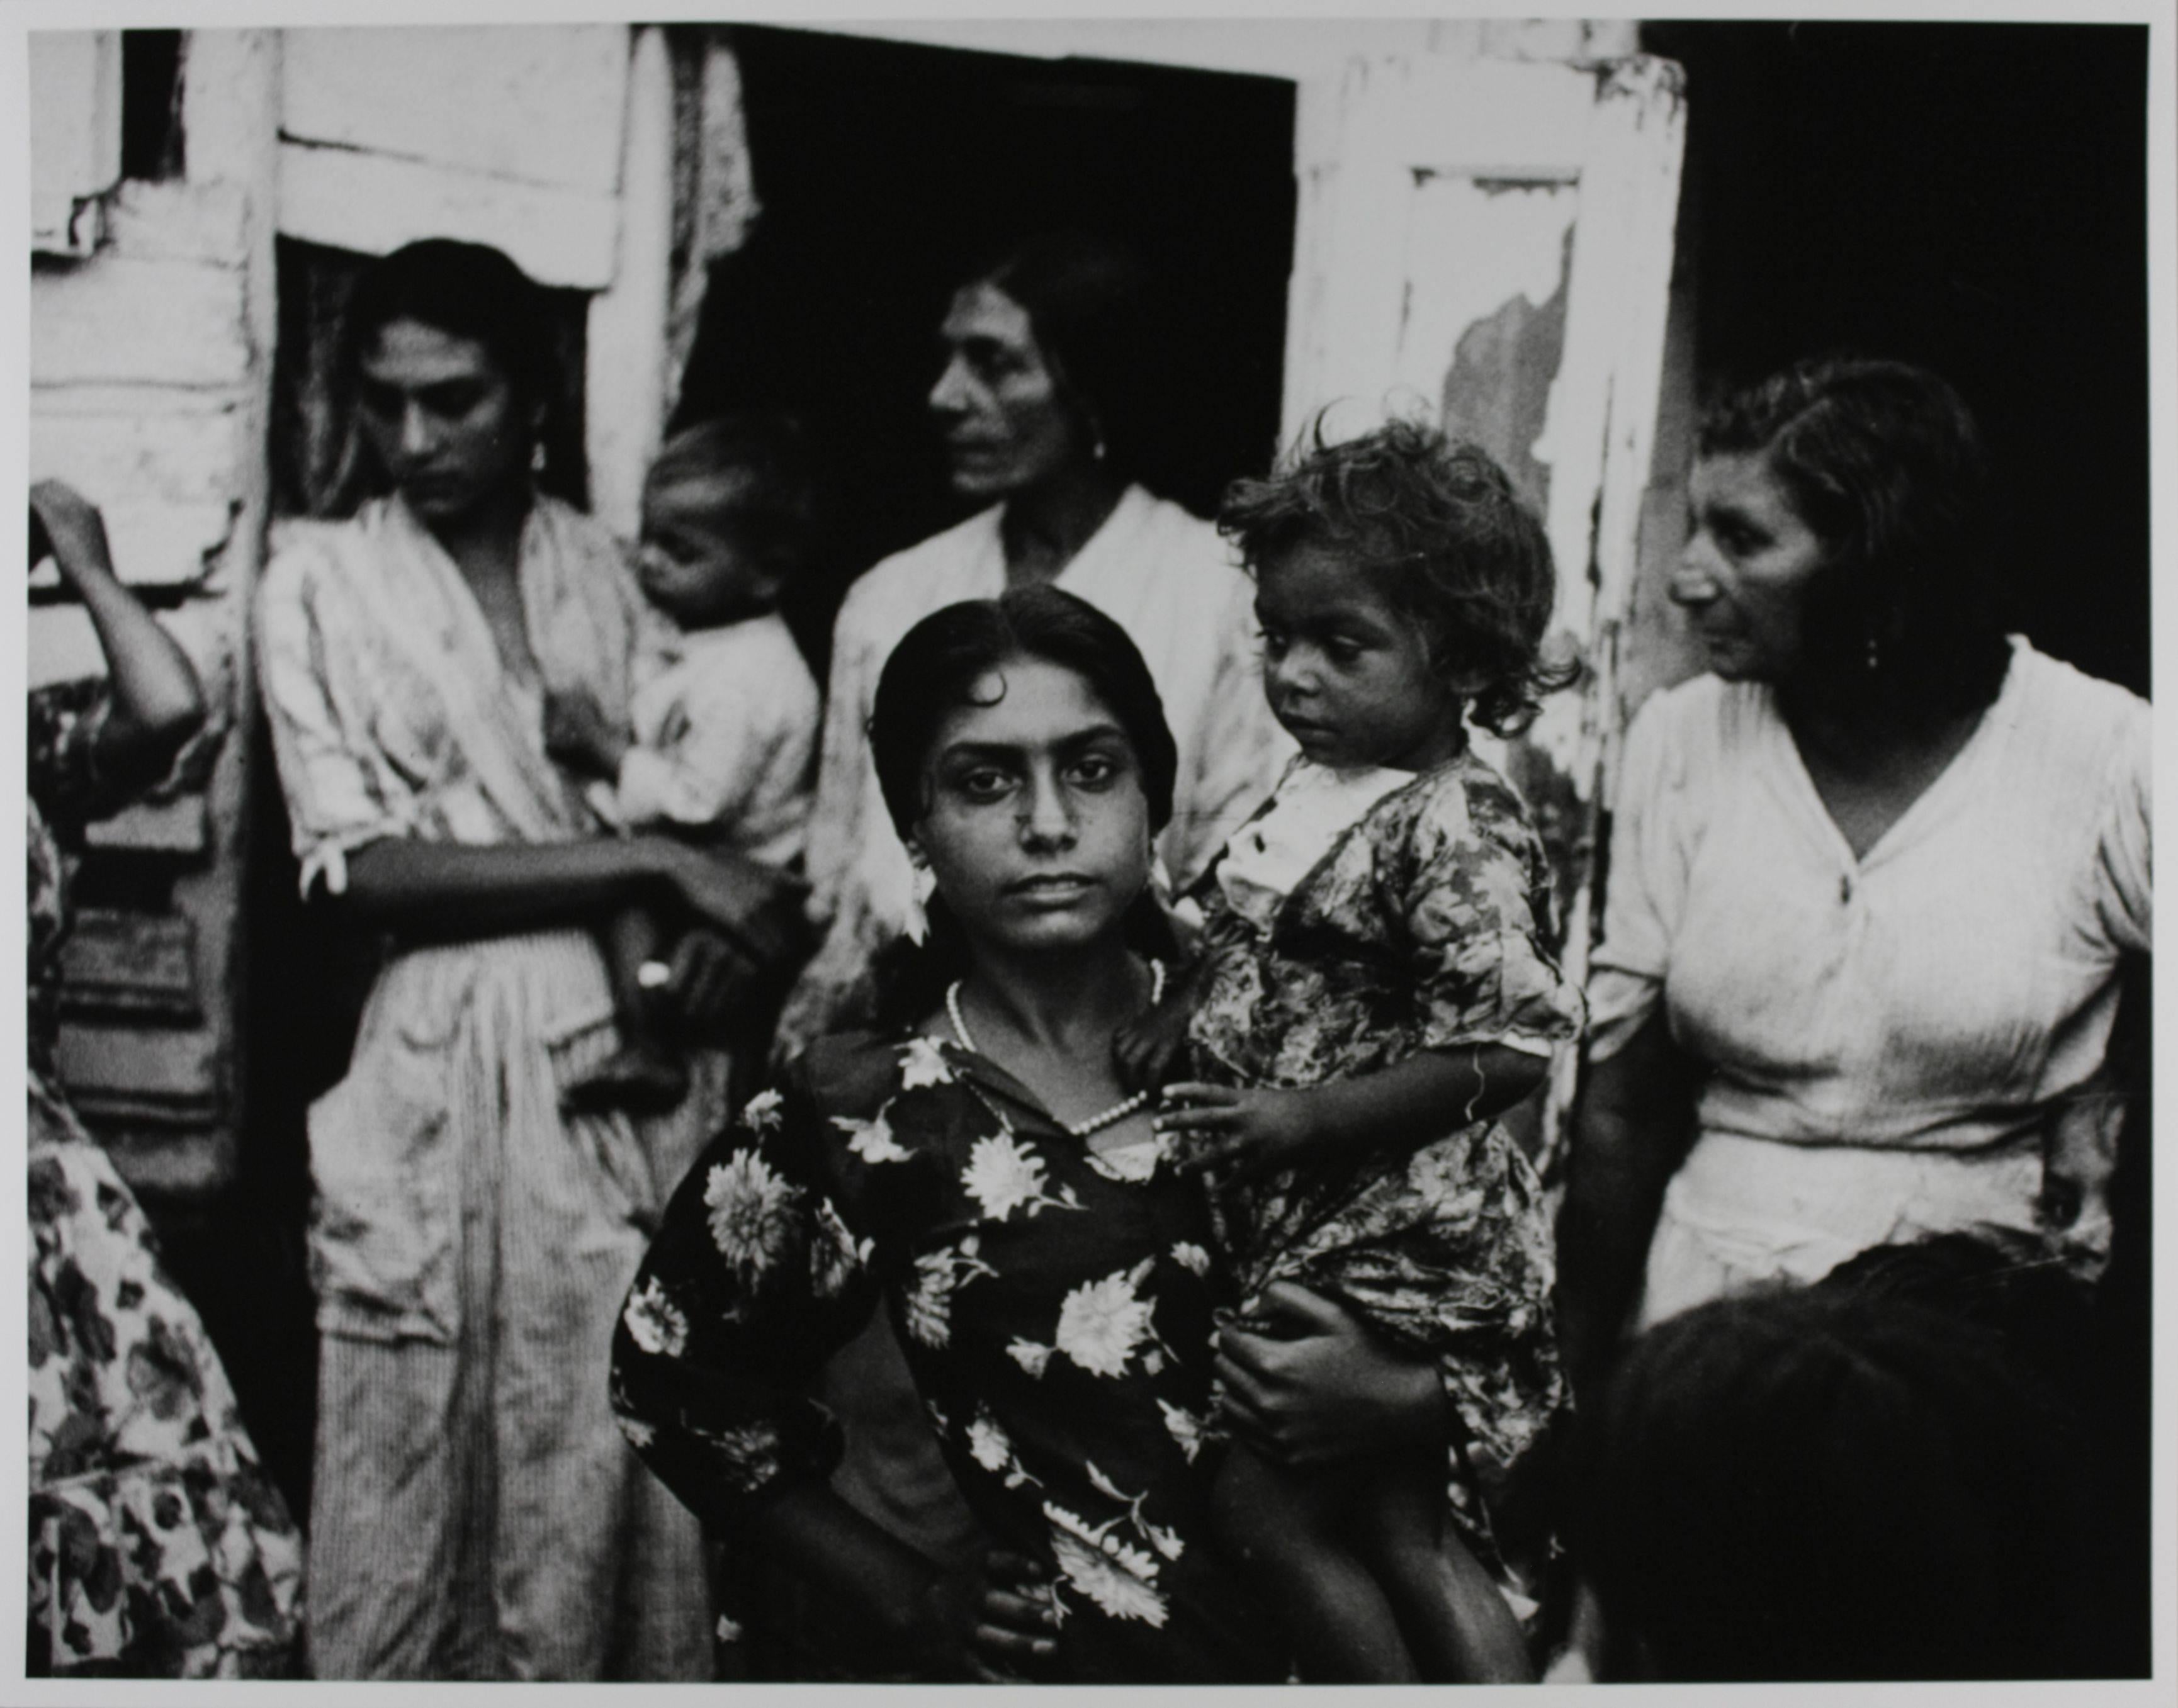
x=157 y=705
x=457 y=892
x=1631 y=1132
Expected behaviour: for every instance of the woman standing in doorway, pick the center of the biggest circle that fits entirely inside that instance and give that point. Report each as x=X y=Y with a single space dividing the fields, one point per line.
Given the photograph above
x=474 y=1513
x=1043 y=404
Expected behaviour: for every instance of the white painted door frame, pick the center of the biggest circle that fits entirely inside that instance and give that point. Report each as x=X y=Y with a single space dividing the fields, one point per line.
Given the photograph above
x=1367 y=269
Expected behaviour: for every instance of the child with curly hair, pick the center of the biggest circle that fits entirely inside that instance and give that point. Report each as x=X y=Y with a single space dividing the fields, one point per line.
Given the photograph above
x=1375 y=989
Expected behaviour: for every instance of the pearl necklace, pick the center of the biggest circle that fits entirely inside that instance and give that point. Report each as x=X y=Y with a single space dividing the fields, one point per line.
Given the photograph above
x=1075 y=1129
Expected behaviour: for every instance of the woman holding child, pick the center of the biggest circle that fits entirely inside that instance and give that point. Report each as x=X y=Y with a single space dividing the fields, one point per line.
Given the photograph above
x=983 y=1163
x=1873 y=881
x=474 y=1511
x=1043 y=403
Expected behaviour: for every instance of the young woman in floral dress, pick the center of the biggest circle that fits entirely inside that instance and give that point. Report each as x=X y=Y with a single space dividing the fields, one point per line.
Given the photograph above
x=1047 y=1266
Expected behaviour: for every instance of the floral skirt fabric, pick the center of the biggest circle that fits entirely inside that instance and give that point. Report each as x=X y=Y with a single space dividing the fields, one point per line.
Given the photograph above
x=158 y=1548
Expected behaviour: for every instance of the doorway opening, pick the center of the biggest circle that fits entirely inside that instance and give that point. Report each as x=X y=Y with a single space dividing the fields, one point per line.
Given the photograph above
x=888 y=173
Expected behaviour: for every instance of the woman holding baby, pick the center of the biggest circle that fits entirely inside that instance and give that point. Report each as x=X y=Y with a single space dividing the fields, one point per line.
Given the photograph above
x=475 y=1514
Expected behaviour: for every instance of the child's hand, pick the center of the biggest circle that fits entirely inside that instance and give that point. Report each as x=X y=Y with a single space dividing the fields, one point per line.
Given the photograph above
x=578 y=734
x=1144 y=1050
x=1247 y=1132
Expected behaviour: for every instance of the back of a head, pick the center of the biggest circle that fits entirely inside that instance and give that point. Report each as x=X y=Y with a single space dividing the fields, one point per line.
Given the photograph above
x=1810 y=1485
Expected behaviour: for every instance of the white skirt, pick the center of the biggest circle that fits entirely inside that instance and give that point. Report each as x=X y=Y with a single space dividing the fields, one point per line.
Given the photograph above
x=1743 y=1211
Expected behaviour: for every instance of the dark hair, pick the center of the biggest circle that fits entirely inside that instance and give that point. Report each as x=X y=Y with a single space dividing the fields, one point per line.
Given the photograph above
x=1089 y=300
x=935 y=669
x=1883 y=462
x=766 y=472
x=933 y=672
x=466 y=290
x=1436 y=523
x=1815 y=1484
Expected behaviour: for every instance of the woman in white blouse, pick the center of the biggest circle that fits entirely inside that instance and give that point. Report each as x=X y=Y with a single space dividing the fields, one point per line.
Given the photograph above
x=1049 y=387
x=1872 y=881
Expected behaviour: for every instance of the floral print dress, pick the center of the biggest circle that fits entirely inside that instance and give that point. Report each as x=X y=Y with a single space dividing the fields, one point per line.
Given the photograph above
x=1421 y=926
x=158 y=1547
x=1055 y=1306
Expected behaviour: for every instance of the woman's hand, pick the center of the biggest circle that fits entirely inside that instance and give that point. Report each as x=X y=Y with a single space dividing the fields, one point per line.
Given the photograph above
x=993 y=1620
x=73 y=527
x=760 y=910
x=1305 y=1383
x=1246 y=1132
x=707 y=979
x=579 y=735
x=1144 y=1050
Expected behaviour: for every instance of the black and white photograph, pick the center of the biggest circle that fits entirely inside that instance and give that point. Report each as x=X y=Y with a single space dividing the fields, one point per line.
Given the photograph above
x=1062 y=850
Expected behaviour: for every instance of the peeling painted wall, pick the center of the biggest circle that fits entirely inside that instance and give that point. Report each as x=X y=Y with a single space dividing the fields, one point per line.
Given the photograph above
x=149 y=360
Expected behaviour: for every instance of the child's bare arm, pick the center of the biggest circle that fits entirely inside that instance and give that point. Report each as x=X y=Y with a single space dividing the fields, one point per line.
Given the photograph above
x=1428 y=1095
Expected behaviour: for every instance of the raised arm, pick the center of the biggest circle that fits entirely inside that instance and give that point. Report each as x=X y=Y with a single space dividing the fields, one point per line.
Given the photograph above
x=1633 y=1126
x=156 y=704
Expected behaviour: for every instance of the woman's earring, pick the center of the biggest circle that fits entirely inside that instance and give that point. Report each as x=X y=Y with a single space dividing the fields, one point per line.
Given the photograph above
x=537 y=456
x=924 y=885
x=1874 y=655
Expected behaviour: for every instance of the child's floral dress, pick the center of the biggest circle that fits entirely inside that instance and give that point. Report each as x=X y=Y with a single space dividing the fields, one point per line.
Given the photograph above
x=1421 y=924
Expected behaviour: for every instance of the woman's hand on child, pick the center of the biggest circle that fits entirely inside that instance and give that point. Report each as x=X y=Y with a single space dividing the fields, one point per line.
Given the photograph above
x=1305 y=1383
x=579 y=735
x=1243 y=1132
x=1144 y=1050
x=996 y=1619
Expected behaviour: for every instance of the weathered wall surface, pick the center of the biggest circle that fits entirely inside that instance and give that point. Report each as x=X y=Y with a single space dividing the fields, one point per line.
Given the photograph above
x=150 y=361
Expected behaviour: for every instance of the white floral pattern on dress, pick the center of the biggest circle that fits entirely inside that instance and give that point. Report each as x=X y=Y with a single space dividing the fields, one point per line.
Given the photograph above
x=1119 y=1579
x=656 y=1324
x=749 y=1454
x=1102 y=1323
x=1030 y=1354
x=1184 y=1426
x=1132 y=1162
x=929 y=1302
x=1191 y=1256
x=761 y=1113
x=1164 y=1540
x=922 y=1062
x=751 y=1214
x=991 y=1447
x=1003 y=1176
x=835 y=1255
x=871 y=1140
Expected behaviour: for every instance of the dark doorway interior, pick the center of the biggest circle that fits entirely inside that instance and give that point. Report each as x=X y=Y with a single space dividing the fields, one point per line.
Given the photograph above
x=1971 y=197
x=888 y=173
